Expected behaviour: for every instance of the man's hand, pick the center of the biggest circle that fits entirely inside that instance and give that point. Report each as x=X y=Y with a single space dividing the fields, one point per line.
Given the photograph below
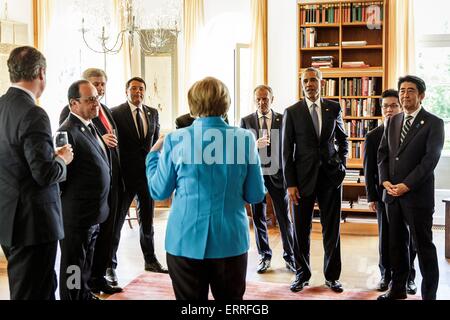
x=294 y=195
x=373 y=206
x=65 y=153
x=159 y=144
x=262 y=142
x=400 y=189
x=389 y=187
x=110 y=140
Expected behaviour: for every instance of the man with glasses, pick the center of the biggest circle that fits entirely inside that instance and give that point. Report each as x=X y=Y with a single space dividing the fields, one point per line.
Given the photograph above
x=104 y=278
x=85 y=194
x=390 y=106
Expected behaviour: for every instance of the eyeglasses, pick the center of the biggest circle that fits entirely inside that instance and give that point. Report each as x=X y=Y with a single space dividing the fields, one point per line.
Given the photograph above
x=90 y=100
x=391 y=106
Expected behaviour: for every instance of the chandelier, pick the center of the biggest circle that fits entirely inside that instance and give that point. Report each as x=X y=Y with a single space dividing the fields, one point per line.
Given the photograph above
x=154 y=32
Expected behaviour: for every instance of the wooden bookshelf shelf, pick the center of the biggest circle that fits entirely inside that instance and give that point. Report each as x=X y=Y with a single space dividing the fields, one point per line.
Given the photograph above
x=331 y=48
x=320 y=25
x=375 y=46
x=356 y=139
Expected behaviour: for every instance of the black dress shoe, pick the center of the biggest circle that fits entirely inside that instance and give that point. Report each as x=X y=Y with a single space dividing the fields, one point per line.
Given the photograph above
x=383 y=285
x=290 y=265
x=111 y=277
x=299 y=283
x=393 y=295
x=411 y=287
x=334 y=285
x=263 y=265
x=106 y=288
x=155 y=266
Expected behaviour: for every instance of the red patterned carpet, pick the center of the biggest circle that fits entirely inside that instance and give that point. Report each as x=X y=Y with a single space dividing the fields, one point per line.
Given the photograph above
x=156 y=286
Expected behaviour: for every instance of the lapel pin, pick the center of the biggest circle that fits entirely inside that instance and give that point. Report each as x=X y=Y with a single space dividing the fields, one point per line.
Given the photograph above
x=82 y=129
x=422 y=122
x=327 y=109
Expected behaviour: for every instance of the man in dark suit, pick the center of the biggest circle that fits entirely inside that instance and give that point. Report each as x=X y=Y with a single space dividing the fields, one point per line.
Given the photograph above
x=186 y=120
x=103 y=277
x=390 y=106
x=138 y=127
x=266 y=125
x=410 y=150
x=85 y=193
x=30 y=170
x=314 y=160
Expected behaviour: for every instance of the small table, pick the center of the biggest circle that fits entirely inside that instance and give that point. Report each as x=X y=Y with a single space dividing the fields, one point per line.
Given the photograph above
x=447 y=228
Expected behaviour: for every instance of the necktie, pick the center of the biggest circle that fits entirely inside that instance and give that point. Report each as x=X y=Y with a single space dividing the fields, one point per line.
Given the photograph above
x=97 y=138
x=405 y=128
x=104 y=121
x=140 y=125
x=315 y=119
x=92 y=129
x=265 y=128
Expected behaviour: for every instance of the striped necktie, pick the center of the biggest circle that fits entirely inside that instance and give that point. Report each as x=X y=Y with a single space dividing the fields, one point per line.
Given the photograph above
x=405 y=129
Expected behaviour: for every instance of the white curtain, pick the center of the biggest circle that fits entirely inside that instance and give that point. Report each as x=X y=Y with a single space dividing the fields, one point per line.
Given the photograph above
x=401 y=40
x=259 y=42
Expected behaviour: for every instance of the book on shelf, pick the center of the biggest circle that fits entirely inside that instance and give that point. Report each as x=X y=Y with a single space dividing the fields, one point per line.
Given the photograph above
x=354 y=43
x=319 y=13
x=359 y=107
x=327 y=44
x=309 y=37
x=322 y=61
x=371 y=12
x=359 y=128
x=329 y=88
x=363 y=86
x=354 y=64
x=355 y=149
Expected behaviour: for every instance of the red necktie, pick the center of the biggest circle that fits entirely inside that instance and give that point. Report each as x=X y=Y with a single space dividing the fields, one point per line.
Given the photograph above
x=104 y=121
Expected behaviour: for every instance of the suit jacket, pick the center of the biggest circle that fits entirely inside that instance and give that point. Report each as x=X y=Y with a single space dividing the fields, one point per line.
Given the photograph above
x=30 y=206
x=252 y=122
x=412 y=162
x=115 y=152
x=85 y=193
x=133 y=150
x=186 y=120
x=207 y=218
x=373 y=188
x=304 y=153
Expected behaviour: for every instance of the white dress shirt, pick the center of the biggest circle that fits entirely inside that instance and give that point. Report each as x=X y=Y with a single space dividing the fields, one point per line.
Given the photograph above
x=99 y=139
x=268 y=120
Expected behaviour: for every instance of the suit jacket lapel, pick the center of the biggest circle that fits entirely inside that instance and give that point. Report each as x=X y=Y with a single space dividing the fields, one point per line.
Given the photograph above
x=326 y=120
x=87 y=133
x=276 y=121
x=415 y=127
x=128 y=117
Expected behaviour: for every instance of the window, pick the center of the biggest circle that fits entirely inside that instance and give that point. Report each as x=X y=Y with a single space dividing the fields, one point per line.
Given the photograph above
x=433 y=58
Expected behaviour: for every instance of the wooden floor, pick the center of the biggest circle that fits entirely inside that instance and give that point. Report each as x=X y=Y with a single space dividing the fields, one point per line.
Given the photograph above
x=359 y=260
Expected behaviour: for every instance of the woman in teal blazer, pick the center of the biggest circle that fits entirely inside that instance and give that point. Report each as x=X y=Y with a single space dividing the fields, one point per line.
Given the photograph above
x=214 y=170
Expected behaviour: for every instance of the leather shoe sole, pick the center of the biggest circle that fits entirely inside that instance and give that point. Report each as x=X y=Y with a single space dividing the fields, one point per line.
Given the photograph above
x=393 y=296
x=106 y=289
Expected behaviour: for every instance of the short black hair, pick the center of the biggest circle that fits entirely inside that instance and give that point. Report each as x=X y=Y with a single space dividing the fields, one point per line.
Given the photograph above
x=74 y=89
x=138 y=79
x=389 y=93
x=25 y=63
x=420 y=84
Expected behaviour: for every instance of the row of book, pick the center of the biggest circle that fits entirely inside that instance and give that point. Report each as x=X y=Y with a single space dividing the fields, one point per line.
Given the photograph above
x=354 y=64
x=329 y=89
x=361 y=203
x=320 y=13
x=360 y=107
x=309 y=37
x=355 y=149
x=352 y=176
x=363 y=86
x=371 y=12
x=359 y=129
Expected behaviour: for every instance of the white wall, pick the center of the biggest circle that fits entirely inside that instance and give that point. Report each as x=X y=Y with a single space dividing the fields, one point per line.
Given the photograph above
x=20 y=11
x=282 y=58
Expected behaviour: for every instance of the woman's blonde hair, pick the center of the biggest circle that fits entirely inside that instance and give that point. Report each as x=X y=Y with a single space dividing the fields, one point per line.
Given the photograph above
x=209 y=97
